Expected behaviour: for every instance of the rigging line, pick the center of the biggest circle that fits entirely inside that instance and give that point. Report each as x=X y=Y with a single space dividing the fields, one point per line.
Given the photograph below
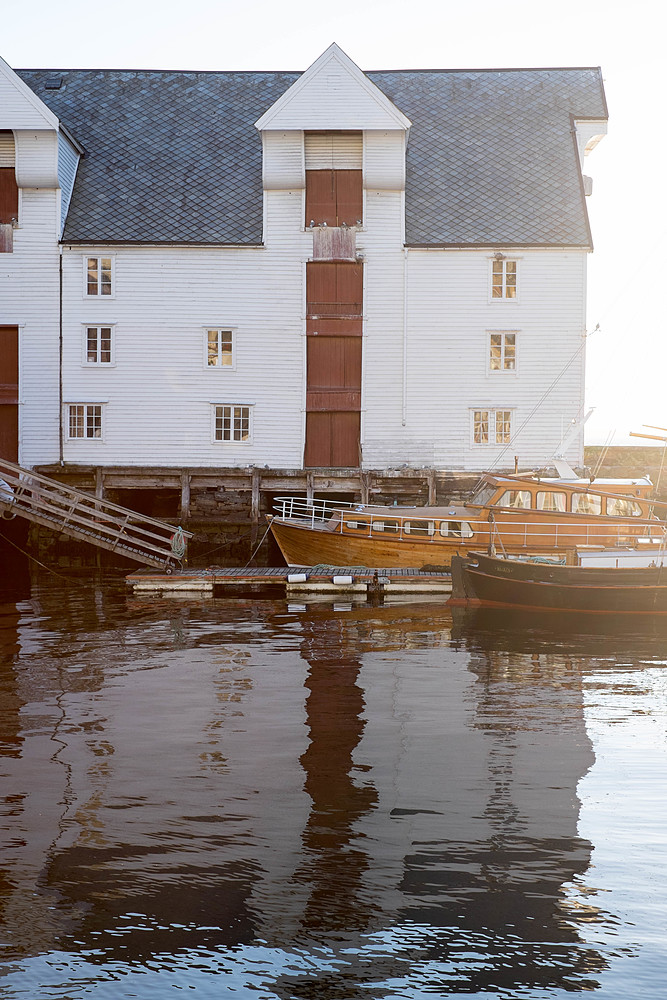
x=67 y=579
x=603 y=453
x=257 y=547
x=549 y=389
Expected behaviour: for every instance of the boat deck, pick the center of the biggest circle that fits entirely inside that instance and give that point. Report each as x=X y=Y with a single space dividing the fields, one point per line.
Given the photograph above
x=315 y=579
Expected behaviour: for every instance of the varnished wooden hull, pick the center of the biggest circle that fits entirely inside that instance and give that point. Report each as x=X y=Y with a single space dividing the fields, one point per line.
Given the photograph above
x=494 y=582
x=305 y=546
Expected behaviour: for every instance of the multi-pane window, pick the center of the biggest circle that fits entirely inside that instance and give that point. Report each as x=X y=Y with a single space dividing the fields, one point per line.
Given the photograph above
x=98 y=276
x=232 y=422
x=219 y=349
x=85 y=420
x=502 y=352
x=491 y=426
x=503 y=279
x=98 y=345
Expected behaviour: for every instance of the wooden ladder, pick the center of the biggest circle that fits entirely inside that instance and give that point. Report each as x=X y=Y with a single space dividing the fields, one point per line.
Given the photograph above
x=89 y=519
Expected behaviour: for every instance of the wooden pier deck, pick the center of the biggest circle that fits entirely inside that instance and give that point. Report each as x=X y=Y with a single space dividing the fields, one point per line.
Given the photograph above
x=307 y=579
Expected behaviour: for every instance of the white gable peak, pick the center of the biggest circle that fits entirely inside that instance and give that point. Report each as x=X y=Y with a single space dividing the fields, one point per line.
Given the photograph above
x=333 y=94
x=20 y=107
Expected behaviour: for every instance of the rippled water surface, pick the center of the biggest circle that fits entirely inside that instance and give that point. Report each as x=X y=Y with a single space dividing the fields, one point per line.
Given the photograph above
x=250 y=797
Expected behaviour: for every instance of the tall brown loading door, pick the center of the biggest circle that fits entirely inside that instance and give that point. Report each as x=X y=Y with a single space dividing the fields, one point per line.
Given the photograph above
x=334 y=293
x=9 y=393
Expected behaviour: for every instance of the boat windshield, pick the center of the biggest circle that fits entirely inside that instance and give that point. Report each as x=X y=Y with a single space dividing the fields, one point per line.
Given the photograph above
x=483 y=494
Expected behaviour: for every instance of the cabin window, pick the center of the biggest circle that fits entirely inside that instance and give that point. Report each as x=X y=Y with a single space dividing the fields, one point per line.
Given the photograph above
x=85 y=420
x=586 y=503
x=419 y=527
x=357 y=525
x=232 y=422
x=99 y=275
x=455 y=529
x=219 y=348
x=623 y=508
x=516 y=498
x=391 y=527
x=98 y=345
x=549 y=500
x=503 y=279
x=502 y=352
x=491 y=426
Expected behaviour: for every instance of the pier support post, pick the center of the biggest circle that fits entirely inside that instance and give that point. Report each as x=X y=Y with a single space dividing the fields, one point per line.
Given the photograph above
x=432 y=488
x=185 y=495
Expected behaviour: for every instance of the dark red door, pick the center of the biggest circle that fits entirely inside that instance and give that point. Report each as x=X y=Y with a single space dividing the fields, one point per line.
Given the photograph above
x=9 y=393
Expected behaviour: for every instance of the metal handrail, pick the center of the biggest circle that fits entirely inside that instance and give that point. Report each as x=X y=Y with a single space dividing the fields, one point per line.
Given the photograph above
x=81 y=515
x=615 y=530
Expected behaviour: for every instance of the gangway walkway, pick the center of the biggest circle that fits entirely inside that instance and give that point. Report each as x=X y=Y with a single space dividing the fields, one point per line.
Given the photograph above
x=89 y=519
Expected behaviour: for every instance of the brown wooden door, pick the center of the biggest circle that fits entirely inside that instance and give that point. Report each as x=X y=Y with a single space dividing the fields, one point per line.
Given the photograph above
x=334 y=373
x=9 y=195
x=334 y=197
x=9 y=393
x=332 y=440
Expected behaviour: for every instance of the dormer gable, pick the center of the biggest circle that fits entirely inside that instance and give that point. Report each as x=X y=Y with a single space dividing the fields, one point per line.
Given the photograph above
x=20 y=107
x=333 y=94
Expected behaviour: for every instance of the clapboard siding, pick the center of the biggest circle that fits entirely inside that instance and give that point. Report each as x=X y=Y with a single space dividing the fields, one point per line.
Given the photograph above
x=68 y=162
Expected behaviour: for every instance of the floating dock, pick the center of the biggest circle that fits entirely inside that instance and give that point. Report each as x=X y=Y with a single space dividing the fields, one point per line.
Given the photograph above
x=307 y=579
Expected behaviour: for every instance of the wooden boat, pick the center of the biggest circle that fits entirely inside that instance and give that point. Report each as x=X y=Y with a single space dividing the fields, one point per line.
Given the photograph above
x=518 y=514
x=540 y=584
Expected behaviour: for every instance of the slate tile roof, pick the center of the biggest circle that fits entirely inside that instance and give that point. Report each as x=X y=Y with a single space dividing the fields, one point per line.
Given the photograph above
x=174 y=157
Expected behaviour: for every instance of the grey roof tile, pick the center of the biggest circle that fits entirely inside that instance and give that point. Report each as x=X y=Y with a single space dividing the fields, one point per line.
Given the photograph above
x=175 y=157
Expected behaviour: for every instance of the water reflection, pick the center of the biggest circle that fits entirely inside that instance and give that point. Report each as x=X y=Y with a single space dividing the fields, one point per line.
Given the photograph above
x=318 y=802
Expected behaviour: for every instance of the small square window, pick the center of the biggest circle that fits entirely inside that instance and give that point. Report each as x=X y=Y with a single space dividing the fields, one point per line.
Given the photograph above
x=99 y=345
x=219 y=348
x=503 y=278
x=85 y=420
x=99 y=276
x=491 y=426
x=232 y=422
x=502 y=352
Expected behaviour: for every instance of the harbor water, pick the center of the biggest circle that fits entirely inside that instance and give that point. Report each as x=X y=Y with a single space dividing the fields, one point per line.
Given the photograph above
x=251 y=797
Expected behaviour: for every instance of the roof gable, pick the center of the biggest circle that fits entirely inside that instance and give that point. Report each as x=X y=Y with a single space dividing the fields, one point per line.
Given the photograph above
x=21 y=108
x=333 y=94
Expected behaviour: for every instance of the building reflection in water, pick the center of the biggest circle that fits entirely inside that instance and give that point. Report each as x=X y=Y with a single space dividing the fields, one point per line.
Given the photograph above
x=215 y=776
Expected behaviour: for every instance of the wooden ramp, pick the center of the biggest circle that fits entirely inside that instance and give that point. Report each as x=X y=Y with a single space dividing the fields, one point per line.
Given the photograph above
x=89 y=519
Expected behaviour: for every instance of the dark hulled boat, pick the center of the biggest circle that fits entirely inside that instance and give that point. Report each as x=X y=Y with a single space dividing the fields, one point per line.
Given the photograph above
x=479 y=579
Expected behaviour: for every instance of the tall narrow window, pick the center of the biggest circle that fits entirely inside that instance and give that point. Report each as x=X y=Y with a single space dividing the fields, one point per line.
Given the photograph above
x=502 y=352
x=232 y=422
x=98 y=276
x=219 y=349
x=491 y=426
x=85 y=420
x=98 y=345
x=503 y=279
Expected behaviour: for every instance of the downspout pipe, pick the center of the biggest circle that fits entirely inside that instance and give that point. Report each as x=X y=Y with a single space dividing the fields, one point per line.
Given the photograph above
x=61 y=429
x=404 y=406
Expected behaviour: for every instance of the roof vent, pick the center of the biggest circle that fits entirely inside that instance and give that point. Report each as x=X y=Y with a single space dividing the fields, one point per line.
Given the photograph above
x=53 y=83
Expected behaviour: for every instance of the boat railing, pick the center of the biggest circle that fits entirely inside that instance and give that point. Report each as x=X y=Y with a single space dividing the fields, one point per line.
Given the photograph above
x=418 y=524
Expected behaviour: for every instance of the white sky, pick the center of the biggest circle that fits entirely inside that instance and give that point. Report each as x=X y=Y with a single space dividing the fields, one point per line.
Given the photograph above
x=627 y=359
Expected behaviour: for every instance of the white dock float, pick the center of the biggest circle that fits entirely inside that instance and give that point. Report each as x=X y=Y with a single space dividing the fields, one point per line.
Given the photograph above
x=308 y=579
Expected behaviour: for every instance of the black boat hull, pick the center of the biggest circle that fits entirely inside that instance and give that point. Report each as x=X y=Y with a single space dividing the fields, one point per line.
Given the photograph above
x=487 y=580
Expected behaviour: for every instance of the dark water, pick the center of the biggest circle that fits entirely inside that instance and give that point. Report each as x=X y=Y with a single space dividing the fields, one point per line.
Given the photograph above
x=261 y=799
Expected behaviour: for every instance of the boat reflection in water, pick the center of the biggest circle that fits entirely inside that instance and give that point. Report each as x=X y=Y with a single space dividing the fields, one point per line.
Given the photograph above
x=308 y=801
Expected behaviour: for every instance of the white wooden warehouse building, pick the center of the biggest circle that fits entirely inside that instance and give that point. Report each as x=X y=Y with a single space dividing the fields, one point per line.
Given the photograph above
x=319 y=270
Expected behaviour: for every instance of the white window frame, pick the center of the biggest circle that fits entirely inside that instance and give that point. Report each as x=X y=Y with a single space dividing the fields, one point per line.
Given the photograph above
x=85 y=416
x=99 y=258
x=492 y=425
x=219 y=330
x=504 y=260
x=215 y=407
x=503 y=334
x=85 y=361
